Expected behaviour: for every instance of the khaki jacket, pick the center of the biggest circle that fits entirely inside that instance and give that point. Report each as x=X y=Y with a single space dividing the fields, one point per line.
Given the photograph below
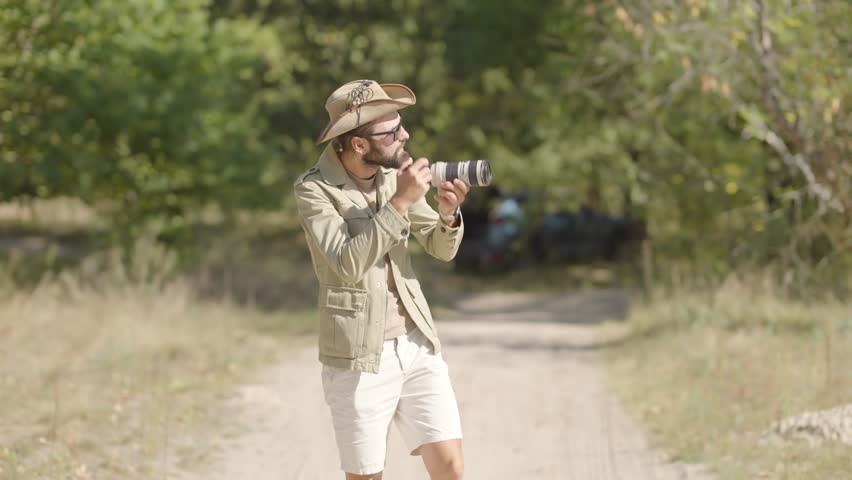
x=348 y=243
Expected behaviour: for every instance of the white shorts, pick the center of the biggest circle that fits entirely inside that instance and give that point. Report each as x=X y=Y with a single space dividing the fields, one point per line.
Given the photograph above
x=412 y=387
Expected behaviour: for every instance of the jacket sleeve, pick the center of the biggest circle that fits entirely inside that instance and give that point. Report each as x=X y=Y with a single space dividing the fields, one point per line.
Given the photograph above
x=439 y=240
x=349 y=257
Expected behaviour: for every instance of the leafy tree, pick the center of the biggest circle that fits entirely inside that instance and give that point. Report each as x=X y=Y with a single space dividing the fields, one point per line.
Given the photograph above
x=148 y=106
x=725 y=124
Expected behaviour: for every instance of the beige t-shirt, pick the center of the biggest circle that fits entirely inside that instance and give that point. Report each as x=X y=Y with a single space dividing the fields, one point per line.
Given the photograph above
x=397 y=319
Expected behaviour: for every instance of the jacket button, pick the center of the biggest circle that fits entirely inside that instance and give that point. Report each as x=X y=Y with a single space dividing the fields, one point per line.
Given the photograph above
x=404 y=232
x=443 y=229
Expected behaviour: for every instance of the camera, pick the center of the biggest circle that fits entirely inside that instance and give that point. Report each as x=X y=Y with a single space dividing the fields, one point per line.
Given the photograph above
x=475 y=173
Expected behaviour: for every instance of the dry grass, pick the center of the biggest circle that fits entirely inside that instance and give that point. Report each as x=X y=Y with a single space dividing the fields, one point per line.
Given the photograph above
x=57 y=214
x=709 y=374
x=104 y=372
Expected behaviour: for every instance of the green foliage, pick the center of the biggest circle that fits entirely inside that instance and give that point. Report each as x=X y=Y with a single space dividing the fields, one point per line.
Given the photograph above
x=725 y=125
x=149 y=105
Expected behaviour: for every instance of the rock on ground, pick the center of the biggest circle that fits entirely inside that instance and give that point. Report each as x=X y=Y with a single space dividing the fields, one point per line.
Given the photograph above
x=834 y=424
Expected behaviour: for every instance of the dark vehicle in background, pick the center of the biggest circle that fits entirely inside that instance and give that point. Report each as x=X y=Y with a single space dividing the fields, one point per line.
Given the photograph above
x=493 y=228
x=499 y=236
x=585 y=236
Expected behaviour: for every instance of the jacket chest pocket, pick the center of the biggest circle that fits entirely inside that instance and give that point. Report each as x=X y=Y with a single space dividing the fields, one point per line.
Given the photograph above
x=343 y=318
x=357 y=220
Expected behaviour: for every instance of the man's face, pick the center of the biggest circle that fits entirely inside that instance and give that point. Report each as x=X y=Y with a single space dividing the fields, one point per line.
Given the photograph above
x=387 y=140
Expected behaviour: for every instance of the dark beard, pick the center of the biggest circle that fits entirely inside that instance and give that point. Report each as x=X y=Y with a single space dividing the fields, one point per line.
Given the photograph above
x=394 y=160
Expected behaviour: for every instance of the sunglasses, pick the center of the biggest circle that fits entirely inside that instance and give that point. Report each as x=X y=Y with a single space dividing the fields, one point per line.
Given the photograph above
x=395 y=132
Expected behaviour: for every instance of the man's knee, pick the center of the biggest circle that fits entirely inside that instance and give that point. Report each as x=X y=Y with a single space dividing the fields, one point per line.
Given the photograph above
x=450 y=469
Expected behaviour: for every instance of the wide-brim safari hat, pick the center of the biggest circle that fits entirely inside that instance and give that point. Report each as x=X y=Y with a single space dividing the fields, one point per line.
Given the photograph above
x=362 y=101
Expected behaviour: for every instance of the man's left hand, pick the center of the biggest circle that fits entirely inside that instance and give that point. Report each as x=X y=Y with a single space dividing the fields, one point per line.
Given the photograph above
x=450 y=196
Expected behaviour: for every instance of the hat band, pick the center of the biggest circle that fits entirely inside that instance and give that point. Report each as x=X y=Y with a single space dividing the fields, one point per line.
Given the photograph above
x=359 y=95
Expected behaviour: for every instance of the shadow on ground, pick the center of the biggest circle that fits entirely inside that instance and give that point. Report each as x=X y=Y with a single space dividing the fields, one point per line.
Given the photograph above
x=582 y=307
x=539 y=322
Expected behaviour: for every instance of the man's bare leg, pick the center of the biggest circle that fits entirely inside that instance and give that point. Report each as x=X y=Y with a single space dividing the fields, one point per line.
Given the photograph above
x=444 y=460
x=372 y=476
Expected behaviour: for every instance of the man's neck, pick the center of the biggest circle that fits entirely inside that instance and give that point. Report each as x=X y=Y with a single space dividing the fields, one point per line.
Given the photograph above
x=356 y=167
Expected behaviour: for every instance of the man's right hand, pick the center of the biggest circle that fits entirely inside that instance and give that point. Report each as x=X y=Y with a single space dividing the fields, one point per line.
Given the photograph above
x=412 y=182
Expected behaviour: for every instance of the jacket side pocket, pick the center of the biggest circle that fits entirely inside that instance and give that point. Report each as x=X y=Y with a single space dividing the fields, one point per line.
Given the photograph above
x=342 y=321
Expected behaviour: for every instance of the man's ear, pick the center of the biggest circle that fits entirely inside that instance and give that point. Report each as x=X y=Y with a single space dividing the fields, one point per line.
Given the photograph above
x=360 y=145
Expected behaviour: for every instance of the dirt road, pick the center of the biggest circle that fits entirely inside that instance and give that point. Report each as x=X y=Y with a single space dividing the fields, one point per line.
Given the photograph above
x=532 y=395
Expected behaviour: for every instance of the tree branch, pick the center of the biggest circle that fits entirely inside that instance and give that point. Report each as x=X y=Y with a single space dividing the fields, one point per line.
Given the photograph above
x=773 y=98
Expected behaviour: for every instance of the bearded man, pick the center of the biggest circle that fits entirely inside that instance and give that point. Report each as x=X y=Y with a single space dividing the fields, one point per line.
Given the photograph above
x=378 y=343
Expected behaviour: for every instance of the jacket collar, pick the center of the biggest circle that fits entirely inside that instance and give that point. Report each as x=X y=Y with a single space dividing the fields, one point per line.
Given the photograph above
x=333 y=173
x=331 y=169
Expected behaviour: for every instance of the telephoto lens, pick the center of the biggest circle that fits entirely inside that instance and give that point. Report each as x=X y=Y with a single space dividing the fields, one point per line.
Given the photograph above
x=475 y=173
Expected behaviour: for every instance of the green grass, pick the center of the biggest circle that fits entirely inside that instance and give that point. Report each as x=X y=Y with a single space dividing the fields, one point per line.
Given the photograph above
x=709 y=374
